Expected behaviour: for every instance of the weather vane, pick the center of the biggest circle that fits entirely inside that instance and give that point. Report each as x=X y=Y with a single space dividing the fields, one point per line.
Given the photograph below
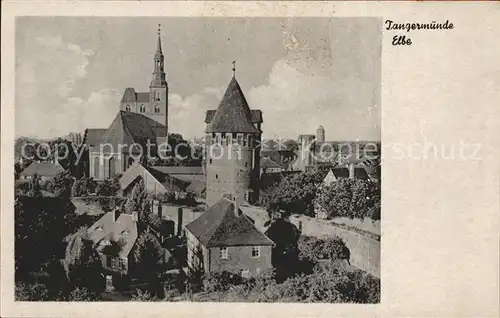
x=159 y=25
x=234 y=68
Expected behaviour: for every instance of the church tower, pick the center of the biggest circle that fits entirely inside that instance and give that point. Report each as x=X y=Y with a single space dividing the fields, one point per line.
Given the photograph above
x=152 y=104
x=233 y=137
x=158 y=89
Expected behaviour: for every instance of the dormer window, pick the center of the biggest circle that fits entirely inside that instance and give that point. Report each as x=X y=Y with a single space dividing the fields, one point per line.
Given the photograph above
x=127 y=108
x=99 y=228
x=142 y=109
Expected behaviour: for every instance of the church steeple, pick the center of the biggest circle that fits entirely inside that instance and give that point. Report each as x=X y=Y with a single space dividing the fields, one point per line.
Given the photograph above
x=159 y=77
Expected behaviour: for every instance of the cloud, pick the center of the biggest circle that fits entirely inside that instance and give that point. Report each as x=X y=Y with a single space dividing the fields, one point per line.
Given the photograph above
x=46 y=75
x=294 y=102
x=187 y=115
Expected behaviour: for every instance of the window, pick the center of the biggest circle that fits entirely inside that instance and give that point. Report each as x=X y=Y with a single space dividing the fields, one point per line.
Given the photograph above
x=123 y=263
x=256 y=251
x=216 y=176
x=127 y=108
x=223 y=253
x=246 y=164
x=217 y=139
x=239 y=138
x=115 y=263
x=157 y=109
x=229 y=139
x=157 y=96
x=210 y=161
x=142 y=109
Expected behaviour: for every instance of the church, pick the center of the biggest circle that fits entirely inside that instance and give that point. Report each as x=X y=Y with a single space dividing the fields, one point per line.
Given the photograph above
x=142 y=119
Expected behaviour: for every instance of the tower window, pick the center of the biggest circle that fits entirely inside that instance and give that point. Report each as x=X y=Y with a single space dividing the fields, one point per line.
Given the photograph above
x=216 y=176
x=240 y=139
x=157 y=96
x=127 y=108
x=210 y=161
x=143 y=109
x=157 y=109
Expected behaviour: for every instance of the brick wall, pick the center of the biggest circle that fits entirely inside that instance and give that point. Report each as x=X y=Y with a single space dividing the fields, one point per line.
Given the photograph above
x=240 y=258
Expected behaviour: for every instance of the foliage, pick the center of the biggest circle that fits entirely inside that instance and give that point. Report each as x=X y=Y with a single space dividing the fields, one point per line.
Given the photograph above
x=332 y=248
x=351 y=198
x=108 y=188
x=22 y=187
x=31 y=292
x=35 y=189
x=84 y=186
x=62 y=183
x=82 y=294
x=82 y=263
x=220 y=281
x=143 y=296
x=295 y=194
x=138 y=202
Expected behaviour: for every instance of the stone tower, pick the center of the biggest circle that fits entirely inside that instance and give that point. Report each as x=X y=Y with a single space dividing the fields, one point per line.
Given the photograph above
x=320 y=134
x=233 y=136
x=152 y=104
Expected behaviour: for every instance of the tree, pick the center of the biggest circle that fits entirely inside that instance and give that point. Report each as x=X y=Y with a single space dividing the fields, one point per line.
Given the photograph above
x=108 y=188
x=350 y=198
x=81 y=262
x=138 y=202
x=35 y=190
x=62 y=183
x=84 y=186
x=147 y=259
x=296 y=193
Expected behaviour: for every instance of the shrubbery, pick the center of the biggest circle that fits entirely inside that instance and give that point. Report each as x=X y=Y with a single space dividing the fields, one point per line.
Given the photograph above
x=351 y=198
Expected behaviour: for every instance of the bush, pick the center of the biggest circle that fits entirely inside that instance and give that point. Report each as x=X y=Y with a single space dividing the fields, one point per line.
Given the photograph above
x=82 y=294
x=220 y=281
x=350 y=198
x=332 y=248
x=31 y=292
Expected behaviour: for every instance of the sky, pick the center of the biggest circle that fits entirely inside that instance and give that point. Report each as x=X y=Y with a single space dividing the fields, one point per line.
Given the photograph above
x=301 y=72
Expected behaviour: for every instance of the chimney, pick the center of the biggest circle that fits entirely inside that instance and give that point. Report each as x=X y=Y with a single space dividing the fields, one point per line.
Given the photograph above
x=351 y=170
x=135 y=216
x=236 y=206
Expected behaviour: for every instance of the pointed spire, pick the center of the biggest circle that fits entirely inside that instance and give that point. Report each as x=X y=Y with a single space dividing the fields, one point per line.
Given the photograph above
x=158 y=46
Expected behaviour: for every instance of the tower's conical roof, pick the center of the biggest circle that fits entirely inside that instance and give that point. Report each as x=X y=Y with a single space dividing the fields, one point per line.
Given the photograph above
x=233 y=114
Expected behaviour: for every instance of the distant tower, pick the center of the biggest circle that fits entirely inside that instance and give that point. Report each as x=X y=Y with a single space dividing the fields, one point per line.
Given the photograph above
x=233 y=136
x=320 y=134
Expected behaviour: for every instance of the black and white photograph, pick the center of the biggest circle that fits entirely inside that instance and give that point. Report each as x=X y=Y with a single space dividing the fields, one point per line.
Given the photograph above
x=198 y=159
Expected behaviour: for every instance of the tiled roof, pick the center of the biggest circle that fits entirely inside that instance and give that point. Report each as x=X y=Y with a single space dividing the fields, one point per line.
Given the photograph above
x=128 y=128
x=44 y=168
x=267 y=162
x=130 y=96
x=219 y=226
x=124 y=229
x=233 y=114
x=255 y=116
x=178 y=170
x=92 y=136
x=197 y=187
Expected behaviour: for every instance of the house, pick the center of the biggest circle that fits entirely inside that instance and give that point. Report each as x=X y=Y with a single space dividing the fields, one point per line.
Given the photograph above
x=225 y=239
x=46 y=170
x=161 y=179
x=267 y=165
x=114 y=236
